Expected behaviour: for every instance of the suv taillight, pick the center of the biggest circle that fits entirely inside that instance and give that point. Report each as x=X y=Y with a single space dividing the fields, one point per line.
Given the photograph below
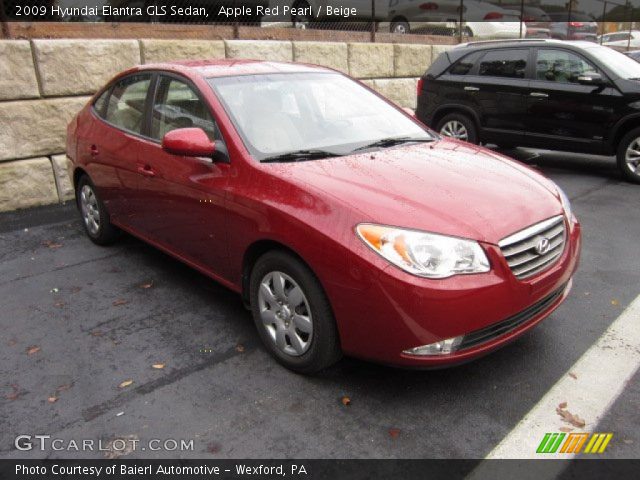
x=420 y=84
x=576 y=24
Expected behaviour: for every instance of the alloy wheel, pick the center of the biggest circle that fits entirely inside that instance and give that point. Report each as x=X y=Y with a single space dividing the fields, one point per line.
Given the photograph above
x=455 y=129
x=632 y=156
x=90 y=209
x=285 y=313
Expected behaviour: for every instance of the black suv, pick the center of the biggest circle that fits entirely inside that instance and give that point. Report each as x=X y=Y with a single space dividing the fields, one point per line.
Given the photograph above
x=572 y=96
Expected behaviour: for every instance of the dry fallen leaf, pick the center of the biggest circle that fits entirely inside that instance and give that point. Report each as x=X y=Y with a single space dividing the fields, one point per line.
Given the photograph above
x=97 y=333
x=147 y=285
x=394 y=432
x=158 y=366
x=15 y=393
x=213 y=447
x=563 y=405
x=115 y=450
x=64 y=388
x=566 y=429
x=573 y=375
x=346 y=401
x=120 y=301
x=52 y=399
x=569 y=417
x=615 y=302
x=239 y=348
x=33 y=349
x=59 y=304
x=125 y=384
x=51 y=245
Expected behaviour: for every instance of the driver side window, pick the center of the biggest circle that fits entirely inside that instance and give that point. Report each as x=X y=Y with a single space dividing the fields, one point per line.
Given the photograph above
x=177 y=106
x=561 y=66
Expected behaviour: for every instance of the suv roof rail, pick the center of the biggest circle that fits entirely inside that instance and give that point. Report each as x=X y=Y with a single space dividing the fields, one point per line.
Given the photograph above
x=514 y=40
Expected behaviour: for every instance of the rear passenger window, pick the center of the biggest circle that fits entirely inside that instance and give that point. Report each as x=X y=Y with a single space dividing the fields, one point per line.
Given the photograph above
x=126 y=103
x=177 y=106
x=100 y=104
x=510 y=63
x=464 y=65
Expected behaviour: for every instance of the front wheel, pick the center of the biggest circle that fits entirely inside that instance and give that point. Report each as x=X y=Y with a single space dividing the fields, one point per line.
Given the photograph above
x=628 y=156
x=292 y=314
x=458 y=126
x=400 y=27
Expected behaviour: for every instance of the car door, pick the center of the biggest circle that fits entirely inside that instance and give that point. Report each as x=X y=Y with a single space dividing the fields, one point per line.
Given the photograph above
x=499 y=84
x=184 y=197
x=108 y=145
x=560 y=111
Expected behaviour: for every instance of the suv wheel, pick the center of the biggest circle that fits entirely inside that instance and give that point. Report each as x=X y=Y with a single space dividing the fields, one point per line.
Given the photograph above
x=95 y=217
x=629 y=156
x=292 y=314
x=401 y=27
x=458 y=126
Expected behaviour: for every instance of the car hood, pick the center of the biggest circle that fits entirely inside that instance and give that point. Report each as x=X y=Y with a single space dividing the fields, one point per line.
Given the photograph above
x=447 y=187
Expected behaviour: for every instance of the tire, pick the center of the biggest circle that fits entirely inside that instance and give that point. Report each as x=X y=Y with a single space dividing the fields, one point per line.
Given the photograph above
x=629 y=163
x=461 y=123
x=93 y=213
x=304 y=346
x=400 y=27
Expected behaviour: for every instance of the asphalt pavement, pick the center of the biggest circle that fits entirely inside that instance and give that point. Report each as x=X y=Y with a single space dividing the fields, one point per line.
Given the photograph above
x=78 y=322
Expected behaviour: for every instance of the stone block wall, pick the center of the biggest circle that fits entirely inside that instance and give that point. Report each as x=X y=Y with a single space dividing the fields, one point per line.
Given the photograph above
x=43 y=83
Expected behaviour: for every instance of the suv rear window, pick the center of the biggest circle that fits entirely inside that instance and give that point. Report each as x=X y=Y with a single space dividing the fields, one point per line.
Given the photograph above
x=510 y=63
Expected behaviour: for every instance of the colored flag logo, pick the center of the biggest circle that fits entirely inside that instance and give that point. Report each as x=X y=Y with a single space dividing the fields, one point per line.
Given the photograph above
x=595 y=442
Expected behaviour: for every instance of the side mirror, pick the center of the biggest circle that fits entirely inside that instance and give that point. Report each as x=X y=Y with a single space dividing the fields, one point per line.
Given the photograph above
x=190 y=142
x=591 y=78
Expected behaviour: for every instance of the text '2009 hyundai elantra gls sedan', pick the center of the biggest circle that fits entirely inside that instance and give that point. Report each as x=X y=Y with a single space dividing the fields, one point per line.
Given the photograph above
x=346 y=225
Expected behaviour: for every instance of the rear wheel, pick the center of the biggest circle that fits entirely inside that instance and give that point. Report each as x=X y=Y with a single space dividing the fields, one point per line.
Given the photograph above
x=95 y=217
x=458 y=126
x=292 y=314
x=628 y=156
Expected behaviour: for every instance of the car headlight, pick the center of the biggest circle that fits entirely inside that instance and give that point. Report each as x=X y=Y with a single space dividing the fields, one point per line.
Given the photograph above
x=424 y=254
x=566 y=204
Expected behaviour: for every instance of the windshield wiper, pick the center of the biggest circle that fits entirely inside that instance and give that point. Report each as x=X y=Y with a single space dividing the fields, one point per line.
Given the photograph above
x=300 y=155
x=391 y=141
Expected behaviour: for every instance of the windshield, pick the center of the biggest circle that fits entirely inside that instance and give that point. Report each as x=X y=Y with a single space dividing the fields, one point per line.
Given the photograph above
x=617 y=62
x=276 y=114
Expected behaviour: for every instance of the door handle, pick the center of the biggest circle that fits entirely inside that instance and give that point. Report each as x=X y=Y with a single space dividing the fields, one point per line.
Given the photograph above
x=471 y=89
x=538 y=94
x=147 y=171
x=93 y=150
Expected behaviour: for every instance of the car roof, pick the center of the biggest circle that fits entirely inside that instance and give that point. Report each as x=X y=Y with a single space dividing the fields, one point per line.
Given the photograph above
x=232 y=67
x=523 y=43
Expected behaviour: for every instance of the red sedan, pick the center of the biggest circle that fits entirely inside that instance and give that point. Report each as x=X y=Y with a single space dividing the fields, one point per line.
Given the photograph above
x=346 y=225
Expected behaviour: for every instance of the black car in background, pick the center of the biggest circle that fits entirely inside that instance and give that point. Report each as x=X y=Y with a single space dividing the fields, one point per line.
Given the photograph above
x=572 y=96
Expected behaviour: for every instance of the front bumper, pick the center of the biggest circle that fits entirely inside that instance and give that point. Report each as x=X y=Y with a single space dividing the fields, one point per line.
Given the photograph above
x=400 y=311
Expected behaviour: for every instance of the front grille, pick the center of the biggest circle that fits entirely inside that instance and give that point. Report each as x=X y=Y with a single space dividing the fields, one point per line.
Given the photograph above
x=505 y=326
x=522 y=249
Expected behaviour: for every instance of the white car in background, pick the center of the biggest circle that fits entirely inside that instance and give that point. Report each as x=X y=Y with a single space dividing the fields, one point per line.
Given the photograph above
x=480 y=19
x=621 y=39
x=496 y=22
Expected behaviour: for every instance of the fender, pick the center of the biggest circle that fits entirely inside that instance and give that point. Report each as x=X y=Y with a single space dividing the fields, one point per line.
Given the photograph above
x=609 y=142
x=459 y=106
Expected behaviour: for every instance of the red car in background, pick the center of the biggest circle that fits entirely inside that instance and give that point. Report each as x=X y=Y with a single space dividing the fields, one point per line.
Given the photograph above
x=346 y=225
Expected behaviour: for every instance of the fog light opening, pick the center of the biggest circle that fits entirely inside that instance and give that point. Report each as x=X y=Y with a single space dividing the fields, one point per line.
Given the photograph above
x=443 y=347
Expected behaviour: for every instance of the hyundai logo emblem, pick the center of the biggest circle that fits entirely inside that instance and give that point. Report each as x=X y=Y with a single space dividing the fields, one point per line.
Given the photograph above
x=543 y=246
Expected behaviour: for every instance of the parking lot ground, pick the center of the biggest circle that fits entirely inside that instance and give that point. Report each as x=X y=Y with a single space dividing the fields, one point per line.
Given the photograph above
x=78 y=320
